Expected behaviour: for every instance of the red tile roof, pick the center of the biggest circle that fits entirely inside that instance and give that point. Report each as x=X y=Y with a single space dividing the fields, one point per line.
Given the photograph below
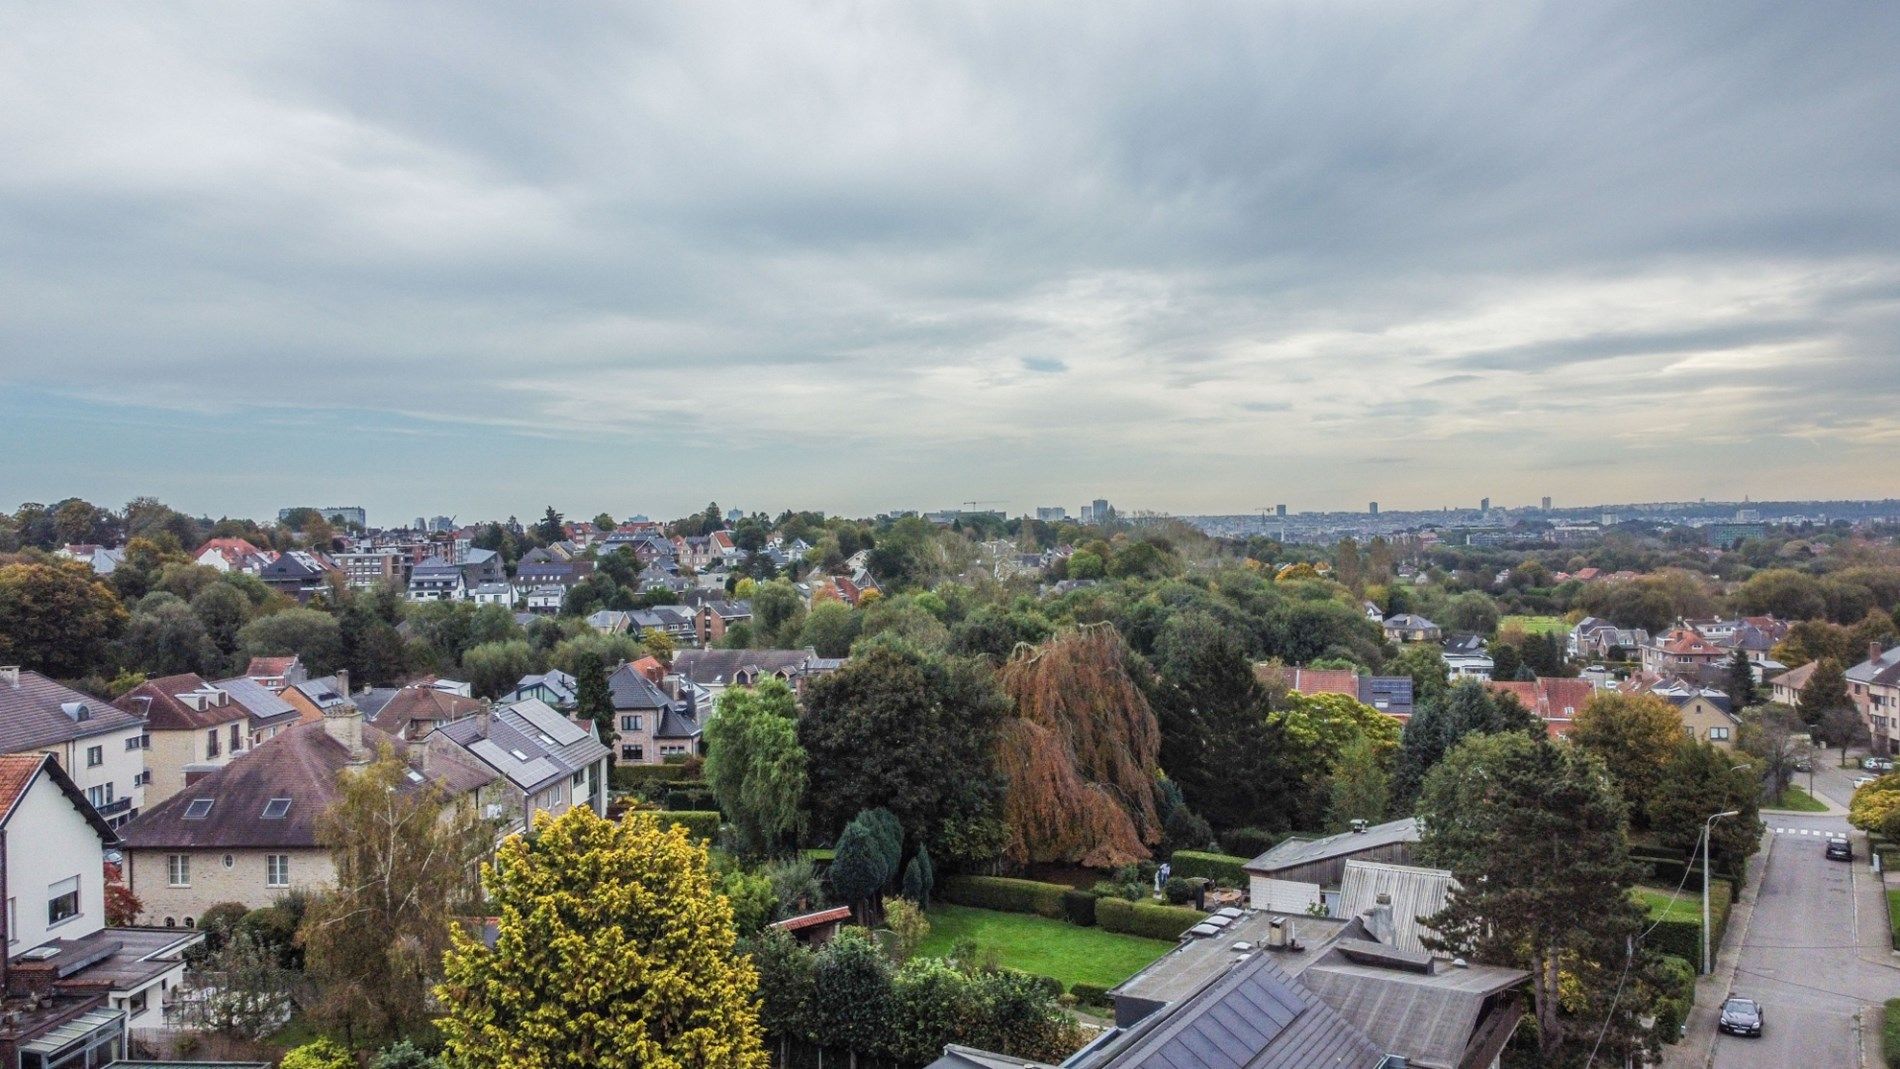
x=1326 y=681
x=812 y=920
x=269 y=666
x=16 y=775
x=167 y=712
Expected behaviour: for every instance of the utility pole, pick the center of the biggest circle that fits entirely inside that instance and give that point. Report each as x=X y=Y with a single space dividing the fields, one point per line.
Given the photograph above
x=1708 y=827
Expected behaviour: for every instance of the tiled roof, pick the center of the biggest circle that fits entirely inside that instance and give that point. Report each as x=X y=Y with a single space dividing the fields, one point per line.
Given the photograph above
x=18 y=773
x=718 y=667
x=170 y=711
x=270 y=666
x=37 y=713
x=528 y=743
x=421 y=702
x=1326 y=681
x=634 y=690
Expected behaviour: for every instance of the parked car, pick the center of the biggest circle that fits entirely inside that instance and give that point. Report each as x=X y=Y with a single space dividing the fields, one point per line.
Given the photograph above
x=1862 y=781
x=1877 y=764
x=1839 y=849
x=1740 y=1017
x=1802 y=764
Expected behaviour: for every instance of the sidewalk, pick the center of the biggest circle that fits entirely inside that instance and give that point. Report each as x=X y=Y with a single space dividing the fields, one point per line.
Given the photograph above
x=1696 y=1049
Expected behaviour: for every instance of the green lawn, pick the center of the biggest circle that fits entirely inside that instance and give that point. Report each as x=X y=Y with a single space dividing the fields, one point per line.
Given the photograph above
x=1042 y=946
x=1890 y=1028
x=1686 y=907
x=1536 y=625
x=1798 y=800
x=1893 y=915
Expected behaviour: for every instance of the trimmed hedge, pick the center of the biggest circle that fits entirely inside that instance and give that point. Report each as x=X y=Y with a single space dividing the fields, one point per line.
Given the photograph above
x=1078 y=908
x=1683 y=938
x=1250 y=842
x=700 y=824
x=1146 y=919
x=1003 y=893
x=1089 y=994
x=689 y=800
x=1667 y=872
x=1216 y=867
x=630 y=777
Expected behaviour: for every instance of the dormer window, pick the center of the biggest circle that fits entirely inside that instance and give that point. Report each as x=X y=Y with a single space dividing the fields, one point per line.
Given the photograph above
x=199 y=809
x=78 y=711
x=276 y=808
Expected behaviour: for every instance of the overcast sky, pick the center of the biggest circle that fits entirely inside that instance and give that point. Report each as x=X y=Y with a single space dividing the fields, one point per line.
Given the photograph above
x=473 y=259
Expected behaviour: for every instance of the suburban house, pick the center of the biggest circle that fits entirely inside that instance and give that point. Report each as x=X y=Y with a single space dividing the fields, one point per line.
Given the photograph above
x=1302 y=876
x=715 y=670
x=232 y=555
x=1874 y=685
x=1786 y=688
x=1708 y=718
x=1555 y=700
x=1408 y=627
x=248 y=831
x=554 y=687
x=676 y=622
x=369 y=569
x=101 y=747
x=103 y=560
x=74 y=986
x=421 y=707
x=502 y=594
x=1262 y=990
x=714 y=618
x=610 y=621
x=195 y=727
x=300 y=573
x=1465 y=658
x=651 y=725
x=314 y=697
x=545 y=599
x=276 y=673
x=536 y=760
x=1598 y=638
x=1391 y=695
x=436 y=579
x=1682 y=651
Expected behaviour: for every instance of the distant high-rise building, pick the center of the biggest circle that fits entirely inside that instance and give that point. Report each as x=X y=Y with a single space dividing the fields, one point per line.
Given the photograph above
x=1484 y=504
x=1101 y=510
x=1052 y=514
x=1546 y=502
x=1280 y=511
x=1373 y=508
x=1088 y=514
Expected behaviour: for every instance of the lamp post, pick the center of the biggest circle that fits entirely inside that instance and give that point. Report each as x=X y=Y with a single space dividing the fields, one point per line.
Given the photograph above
x=1708 y=827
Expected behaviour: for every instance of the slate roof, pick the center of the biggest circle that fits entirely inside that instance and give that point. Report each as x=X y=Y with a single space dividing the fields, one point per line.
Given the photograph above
x=1253 y=1016
x=1410 y=622
x=1469 y=645
x=632 y=690
x=527 y=743
x=1883 y=670
x=718 y=667
x=34 y=714
x=326 y=693
x=1347 y=843
x=300 y=764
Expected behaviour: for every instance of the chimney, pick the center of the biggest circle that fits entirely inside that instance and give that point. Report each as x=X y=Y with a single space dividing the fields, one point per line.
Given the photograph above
x=1873 y=651
x=10 y=675
x=344 y=723
x=343 y=681
x=1379 y=919
x=484 y=718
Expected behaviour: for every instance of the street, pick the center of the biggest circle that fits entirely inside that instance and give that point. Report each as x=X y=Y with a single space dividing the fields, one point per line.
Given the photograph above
x=1816 y=949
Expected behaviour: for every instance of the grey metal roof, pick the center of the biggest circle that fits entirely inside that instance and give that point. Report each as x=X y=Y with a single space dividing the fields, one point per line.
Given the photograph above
x=517 y=743
x=33 y=715
x=1414 y=893
x=264 y=704
x=1306 y=851
x=1428 y=1018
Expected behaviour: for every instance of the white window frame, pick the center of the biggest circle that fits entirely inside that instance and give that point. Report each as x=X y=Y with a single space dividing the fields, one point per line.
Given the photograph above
x=178 y=870
x=277 y=870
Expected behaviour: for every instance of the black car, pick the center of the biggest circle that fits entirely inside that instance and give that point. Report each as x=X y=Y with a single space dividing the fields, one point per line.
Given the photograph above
x=1839 y=849
x=1740 y=1017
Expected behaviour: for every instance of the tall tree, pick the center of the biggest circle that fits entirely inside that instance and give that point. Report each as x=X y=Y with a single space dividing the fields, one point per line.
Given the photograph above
x=1537 y=840
x=1700 y=780
x=1826 y=689
x=1634 y=735
x=755 y=765
x=1081 y=754
x=611 y=949
x=933 y=720
x=1740 y=682
x=404 y=857
x=56 y=617
x=1437 y=727
x=593 y=698
x=1359 y=788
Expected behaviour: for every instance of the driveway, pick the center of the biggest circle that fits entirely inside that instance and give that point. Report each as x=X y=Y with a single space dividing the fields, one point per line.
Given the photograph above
x=1815 y=951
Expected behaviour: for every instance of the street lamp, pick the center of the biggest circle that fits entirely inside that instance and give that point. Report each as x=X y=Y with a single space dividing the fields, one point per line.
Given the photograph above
x=1708 y=828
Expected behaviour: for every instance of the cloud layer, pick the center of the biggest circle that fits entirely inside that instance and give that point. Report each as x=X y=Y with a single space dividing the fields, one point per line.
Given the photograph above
x=1196 y=257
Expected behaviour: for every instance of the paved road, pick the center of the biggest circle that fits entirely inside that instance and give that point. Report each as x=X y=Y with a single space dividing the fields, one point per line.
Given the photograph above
x=1815 y=952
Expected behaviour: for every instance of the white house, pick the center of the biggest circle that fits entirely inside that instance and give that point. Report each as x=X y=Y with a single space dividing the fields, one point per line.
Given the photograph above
x=97 y=981
x=100 y=747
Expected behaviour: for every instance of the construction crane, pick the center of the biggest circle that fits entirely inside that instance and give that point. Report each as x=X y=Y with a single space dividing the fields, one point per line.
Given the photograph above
x=970 y=506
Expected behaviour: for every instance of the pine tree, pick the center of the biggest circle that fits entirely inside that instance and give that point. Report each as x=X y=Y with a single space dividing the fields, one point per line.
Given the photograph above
x=593 y=698
x=1741 y=682
x=612 y=949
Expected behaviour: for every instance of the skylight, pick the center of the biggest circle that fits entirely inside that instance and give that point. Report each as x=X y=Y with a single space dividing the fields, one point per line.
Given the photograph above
x=276 y=808
x=199 y=809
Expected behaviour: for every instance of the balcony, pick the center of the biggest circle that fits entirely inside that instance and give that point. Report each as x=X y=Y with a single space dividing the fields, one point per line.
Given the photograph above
x=114 y=808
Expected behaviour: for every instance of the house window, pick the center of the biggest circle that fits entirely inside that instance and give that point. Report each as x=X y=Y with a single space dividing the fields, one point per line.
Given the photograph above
x=211 y=743
x=95 y=756
x=633 y=753
x=13 y=921
x=178 y=870
x=237 y=740
x=277 y=870
x=1718 y=734
x=631 y=723
x=62 y=900
x=136 y=1004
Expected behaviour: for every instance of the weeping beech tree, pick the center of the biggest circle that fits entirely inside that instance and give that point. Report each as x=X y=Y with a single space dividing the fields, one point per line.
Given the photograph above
x=1080 y=754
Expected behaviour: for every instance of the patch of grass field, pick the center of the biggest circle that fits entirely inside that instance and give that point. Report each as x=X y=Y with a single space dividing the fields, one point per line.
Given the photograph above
x=1797 y=800
x=1890 y=1032
x=1893 y=914
x=1535 y=625
x=1043 y=946
x=1686 y=907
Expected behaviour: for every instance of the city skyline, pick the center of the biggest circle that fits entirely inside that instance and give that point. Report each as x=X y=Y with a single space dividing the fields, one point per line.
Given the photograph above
x=900 y=258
